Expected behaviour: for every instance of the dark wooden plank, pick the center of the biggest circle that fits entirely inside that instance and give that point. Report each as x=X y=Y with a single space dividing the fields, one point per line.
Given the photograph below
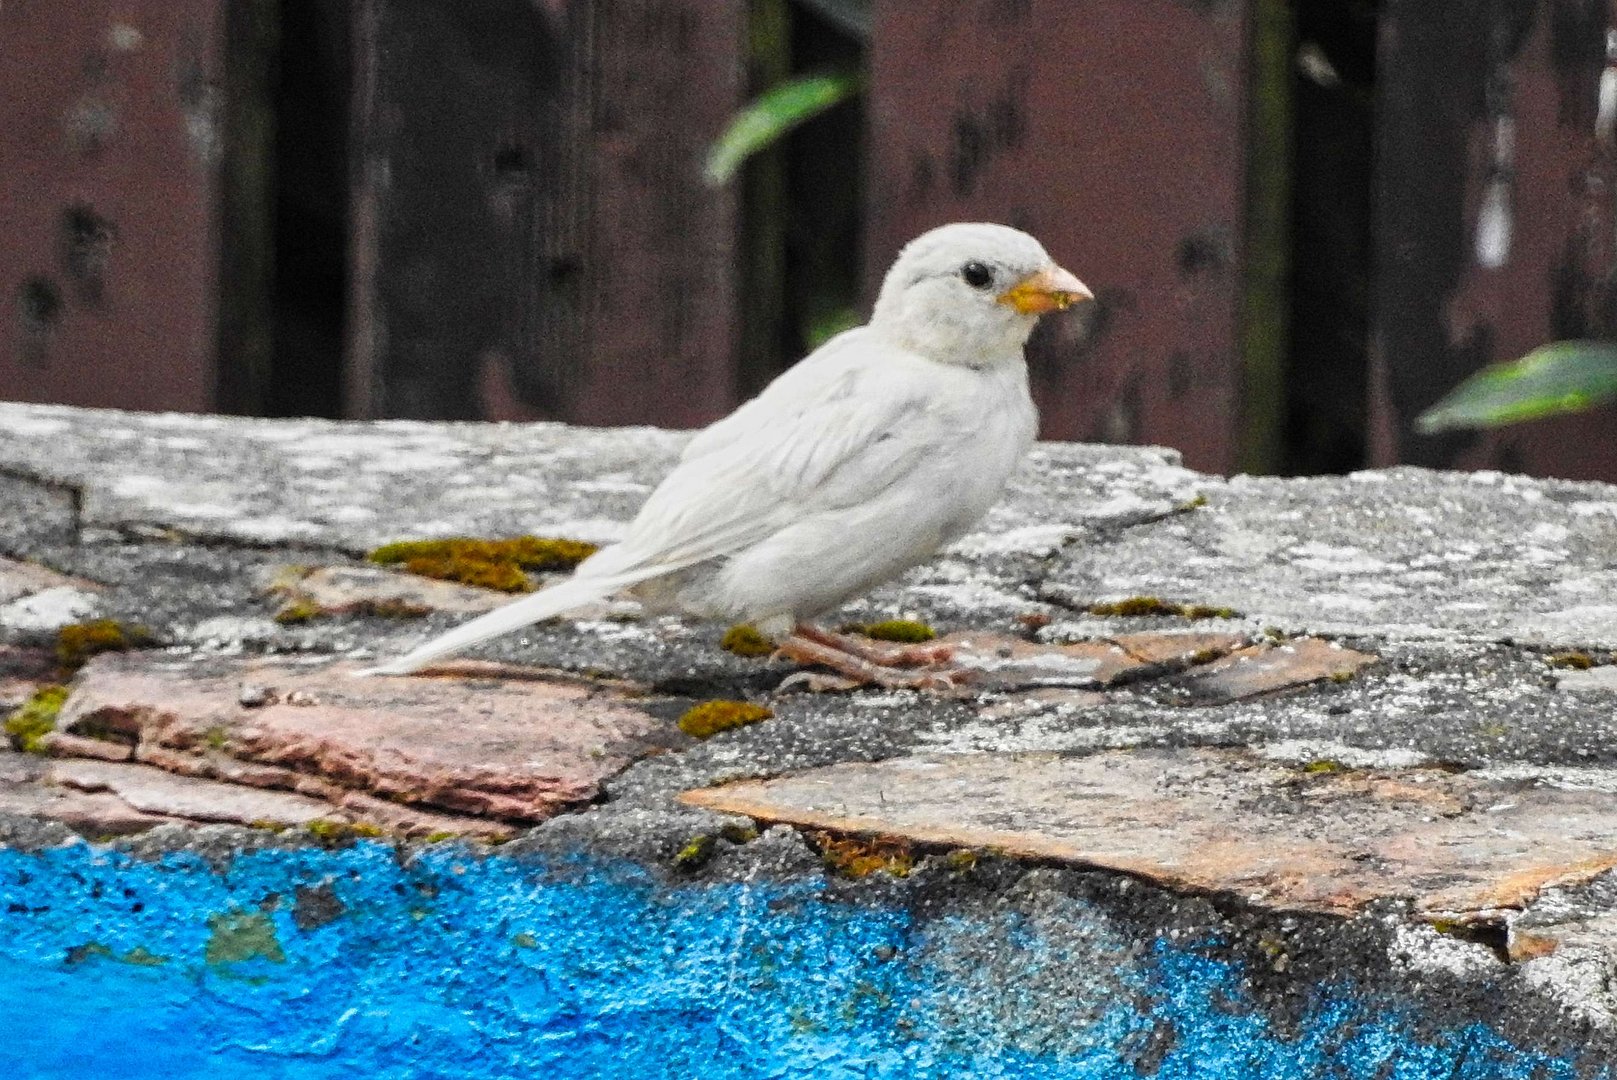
x=1115 y=132
x=660 y=272
x=109 y=170
x=448 y=101
x=533 y=237
x=1487 y=113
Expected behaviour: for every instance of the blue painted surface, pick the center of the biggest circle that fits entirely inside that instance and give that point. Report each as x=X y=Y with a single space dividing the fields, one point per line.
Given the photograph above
x=453 y=966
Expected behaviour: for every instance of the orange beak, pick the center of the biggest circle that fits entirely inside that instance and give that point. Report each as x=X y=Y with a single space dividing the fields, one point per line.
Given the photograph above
x=1051 y=289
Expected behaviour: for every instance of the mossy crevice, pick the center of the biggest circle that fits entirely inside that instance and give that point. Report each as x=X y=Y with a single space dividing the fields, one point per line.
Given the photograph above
x=36 y=718
x=301 y=609
x=858 y=857
x=331 y=832
x=78 y=642
x=1154 y=606
x=711 y=717
x=502 y=564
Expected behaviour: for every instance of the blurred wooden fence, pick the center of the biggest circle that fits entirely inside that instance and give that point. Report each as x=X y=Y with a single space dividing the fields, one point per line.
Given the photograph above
x=494 y=208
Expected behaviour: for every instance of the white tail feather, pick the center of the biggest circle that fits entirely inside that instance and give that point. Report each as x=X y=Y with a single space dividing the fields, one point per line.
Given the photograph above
x=563 y=596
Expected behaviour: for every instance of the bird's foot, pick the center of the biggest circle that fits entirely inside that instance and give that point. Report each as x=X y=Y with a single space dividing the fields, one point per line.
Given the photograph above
x=860 y=662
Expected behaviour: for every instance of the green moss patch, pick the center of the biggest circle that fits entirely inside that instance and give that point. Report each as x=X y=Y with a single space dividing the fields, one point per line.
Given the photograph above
x=696 y=852
x=78 y=642
x=711 y=717
x=745 y=640
x=1152 y=606
x=36 y=718
x=338 y=832
x=906 y=631
x=488 y=564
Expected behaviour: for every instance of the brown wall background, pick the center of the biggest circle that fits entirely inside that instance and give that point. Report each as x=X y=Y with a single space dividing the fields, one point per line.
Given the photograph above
x=494 y=209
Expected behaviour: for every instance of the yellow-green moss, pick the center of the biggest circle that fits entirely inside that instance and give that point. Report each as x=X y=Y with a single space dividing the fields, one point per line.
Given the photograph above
x=1580 y=661
x=1341 y=676
x=1205 y=656
x=487 y=564
x=1141 y=606
x=524 y=940
x=76 y=643
x=960 y=859
x=36 y=718
x=1193 y=504
x=696 y=852
x=745 y=640
x=1203 y=611
x=858 y=857
x=439 y=837
x=335 y=832
x=907 y=631
x=712 y=717
x=298 y=611
x=1322 y=766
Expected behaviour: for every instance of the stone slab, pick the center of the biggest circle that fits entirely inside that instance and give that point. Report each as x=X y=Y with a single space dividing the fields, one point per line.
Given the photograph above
x=1330 y=840
x=338 y=590
x=153 y=791
x=19 y=579
x=1401 y=552
x=519 y=748
x=1270 y=667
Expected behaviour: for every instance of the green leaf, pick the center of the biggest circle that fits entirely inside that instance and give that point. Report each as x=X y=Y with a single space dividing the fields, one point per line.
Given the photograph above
x=1562 y=377
x=772 y=115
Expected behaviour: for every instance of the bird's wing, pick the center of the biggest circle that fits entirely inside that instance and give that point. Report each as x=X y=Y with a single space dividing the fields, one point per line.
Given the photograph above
x=799 y=386
x=835 y=435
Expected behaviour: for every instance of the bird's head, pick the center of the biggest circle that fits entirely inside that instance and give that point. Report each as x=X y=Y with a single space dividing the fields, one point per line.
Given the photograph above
x=970 y=293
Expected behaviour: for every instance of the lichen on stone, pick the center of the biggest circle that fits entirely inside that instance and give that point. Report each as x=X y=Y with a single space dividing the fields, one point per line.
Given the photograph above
x=1146 y=606
x=1575 y=660
x=711 y=717
x=76 y=643
x=36 y=718
x=743 y=639
x=489 y=564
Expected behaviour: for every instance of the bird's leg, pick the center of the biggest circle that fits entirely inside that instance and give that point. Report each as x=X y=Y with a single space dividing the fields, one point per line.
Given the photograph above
x=881 y=653
x=864 y=662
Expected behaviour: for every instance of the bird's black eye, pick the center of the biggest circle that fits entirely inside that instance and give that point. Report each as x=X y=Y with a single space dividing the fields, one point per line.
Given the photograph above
x=977 y=275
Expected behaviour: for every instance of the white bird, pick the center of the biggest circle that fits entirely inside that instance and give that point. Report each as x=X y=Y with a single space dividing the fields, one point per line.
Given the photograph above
x=884 y=444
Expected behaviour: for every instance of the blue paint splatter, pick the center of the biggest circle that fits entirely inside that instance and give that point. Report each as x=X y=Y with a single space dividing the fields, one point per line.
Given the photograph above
x=449 y=965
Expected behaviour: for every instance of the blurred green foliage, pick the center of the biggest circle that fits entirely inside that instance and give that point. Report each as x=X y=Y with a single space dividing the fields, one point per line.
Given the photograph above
x=776 y=112
x=1562 y=377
